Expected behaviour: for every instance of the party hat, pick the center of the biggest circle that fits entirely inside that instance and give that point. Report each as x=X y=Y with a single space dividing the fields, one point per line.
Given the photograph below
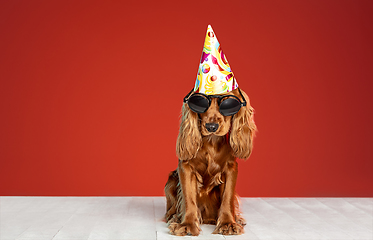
x=214 y=73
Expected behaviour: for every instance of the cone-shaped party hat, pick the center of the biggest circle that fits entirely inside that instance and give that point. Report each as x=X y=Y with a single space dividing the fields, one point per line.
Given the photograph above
x=214 y=73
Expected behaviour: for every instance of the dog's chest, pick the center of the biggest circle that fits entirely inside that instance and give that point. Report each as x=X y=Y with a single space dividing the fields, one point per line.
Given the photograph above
x=210 y=164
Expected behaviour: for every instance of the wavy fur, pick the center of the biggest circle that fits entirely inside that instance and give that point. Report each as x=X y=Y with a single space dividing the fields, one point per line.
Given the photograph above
x=189 y=139
x=243 y=131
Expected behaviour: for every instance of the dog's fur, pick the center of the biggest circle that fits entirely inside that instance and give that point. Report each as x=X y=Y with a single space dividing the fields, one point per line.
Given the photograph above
x=202 y=188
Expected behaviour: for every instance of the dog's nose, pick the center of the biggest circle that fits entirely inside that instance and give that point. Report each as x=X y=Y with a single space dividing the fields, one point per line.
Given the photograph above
x=212 y=127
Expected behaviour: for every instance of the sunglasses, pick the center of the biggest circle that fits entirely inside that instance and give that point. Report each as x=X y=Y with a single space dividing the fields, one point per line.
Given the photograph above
x=228 y=104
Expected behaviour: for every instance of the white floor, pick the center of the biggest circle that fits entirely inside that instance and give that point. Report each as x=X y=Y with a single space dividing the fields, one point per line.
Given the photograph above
x=114 y=218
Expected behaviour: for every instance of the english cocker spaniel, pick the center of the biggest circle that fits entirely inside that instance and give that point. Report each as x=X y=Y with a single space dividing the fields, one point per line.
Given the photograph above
x=214 y=131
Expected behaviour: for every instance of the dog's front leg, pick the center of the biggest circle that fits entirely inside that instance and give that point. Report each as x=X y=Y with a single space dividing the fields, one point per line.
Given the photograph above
x=226 y=223
x=190 y=214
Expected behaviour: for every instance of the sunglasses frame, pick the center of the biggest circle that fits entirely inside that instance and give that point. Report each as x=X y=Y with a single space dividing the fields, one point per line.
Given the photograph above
x=209 y=97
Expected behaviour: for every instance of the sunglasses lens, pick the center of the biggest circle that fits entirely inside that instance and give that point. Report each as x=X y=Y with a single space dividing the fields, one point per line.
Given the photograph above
x=229 y=106
x=198 y=103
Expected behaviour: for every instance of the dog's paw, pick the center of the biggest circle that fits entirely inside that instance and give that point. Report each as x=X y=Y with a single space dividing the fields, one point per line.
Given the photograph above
x=173 y=219
x=229 y=229
x=240 y=220
x=182 y=229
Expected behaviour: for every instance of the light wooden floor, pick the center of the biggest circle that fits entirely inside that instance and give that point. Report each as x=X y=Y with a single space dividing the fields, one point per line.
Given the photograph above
x=114 y=218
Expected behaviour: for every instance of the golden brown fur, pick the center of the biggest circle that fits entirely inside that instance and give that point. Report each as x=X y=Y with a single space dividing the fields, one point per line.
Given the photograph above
x=202 y=188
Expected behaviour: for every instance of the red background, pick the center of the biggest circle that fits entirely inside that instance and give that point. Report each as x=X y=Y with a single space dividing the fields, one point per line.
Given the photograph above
x=91 y=93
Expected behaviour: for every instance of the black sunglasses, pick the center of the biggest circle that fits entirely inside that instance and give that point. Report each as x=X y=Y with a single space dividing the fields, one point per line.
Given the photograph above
x=228 y=104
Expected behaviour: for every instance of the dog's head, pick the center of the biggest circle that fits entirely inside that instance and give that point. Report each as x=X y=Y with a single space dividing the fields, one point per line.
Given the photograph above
x=240 y=127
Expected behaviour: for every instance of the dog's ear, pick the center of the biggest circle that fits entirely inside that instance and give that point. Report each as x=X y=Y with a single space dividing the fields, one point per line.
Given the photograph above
x=243 y=131
x=189 y=140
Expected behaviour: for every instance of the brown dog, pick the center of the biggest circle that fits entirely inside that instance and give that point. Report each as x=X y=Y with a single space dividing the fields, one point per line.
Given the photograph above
x=202 y=188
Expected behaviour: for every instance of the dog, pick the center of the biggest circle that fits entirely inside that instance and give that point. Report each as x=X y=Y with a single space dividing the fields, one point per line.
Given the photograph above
x=202 y=188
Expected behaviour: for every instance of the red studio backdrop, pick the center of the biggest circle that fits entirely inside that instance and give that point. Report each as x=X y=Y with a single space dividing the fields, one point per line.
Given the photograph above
x=91 y=93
